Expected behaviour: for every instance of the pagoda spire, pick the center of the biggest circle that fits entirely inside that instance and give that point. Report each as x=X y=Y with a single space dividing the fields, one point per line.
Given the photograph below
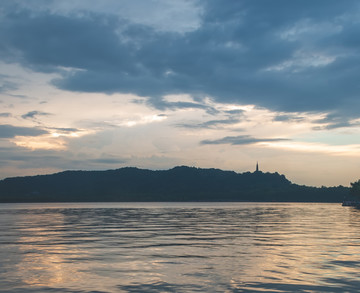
x=257 y=167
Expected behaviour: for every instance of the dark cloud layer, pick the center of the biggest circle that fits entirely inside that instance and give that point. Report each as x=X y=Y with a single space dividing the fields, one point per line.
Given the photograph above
x=9 y=131
x=284 y=55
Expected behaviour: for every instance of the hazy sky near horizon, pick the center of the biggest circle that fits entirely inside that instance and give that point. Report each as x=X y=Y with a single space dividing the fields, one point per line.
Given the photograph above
x=103 y=84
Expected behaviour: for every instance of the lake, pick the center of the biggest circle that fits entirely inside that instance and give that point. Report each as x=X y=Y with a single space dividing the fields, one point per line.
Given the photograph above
x=179 y=247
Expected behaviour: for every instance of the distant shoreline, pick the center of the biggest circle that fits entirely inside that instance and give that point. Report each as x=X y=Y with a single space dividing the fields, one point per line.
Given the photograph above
x=179 y=184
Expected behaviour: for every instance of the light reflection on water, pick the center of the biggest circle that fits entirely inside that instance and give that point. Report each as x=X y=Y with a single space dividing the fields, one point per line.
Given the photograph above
x=179 y=247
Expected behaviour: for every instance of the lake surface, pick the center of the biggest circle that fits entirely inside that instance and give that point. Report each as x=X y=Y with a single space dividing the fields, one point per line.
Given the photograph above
x=179 y=247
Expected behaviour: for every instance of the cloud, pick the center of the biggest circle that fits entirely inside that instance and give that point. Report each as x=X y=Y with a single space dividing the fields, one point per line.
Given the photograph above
x=36 y=159
x=33 y=114
x=5 y=84
x=209 y=124
x=9 y=131
x=65 y=129
x=5 y=114
x=297 y=56
x=288 y=118
x=240 y=140
x=161 y=104
x=179 y=16
x=235 y=112
x=108 y=161
x=333 y=121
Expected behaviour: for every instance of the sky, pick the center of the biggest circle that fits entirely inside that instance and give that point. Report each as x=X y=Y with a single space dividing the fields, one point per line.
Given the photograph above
x=104 y=84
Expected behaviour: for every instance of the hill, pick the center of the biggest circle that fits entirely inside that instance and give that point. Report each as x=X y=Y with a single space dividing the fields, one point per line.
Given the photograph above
x=177 y=184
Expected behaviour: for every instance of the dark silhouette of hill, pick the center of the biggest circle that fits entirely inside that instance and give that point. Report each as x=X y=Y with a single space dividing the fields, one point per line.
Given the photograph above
x=177 y=184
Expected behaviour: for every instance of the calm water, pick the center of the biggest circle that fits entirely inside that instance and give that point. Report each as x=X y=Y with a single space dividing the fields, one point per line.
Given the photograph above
x=177 y=247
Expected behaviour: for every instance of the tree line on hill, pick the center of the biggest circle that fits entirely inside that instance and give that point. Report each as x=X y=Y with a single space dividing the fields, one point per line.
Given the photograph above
x=177 y=184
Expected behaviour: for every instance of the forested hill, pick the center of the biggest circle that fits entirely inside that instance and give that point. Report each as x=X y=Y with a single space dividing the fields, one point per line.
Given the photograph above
x=177 y=184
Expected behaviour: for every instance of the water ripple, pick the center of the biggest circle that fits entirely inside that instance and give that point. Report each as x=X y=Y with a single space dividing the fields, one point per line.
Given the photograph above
x=198 y=247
